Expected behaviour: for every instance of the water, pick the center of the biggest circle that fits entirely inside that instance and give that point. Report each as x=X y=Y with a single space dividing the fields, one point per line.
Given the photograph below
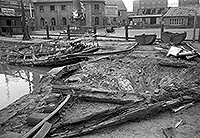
x=16 y=81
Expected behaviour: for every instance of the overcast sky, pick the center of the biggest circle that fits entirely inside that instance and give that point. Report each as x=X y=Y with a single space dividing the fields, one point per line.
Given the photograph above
x=128 y=4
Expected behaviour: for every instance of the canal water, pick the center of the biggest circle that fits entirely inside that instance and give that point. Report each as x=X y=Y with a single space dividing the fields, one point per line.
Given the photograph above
x=16 y=81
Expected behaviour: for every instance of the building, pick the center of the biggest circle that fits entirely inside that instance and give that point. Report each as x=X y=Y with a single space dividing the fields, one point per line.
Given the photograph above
x=181 y=3
x=181 y=16
x=188 y=2
x=149 y=6
x=148 y=12
x=10 y=16
x=58 y=13
x=116 y=13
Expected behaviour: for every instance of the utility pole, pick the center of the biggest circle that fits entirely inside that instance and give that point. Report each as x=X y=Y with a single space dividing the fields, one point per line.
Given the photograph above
x=194 y=27
x=199 y=24
x=26 y=35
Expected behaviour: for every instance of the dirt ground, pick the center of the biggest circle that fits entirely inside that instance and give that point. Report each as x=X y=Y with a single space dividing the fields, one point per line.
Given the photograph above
x=138 y=72
x=135 y=72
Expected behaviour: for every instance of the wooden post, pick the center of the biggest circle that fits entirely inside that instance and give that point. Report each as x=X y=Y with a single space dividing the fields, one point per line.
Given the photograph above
x=194 y=27
x=199 y=29
x=95 y=29
x=68 y=31
x=162 y=27
x=126 y=31
x=10 y=30
x=47 y=30
x=95 y=32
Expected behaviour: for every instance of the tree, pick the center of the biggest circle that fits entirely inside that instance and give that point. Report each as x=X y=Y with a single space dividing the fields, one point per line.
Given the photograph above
x=26 y=35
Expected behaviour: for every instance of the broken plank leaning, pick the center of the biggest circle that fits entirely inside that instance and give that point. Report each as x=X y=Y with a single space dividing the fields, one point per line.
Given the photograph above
x=37 y=127
x=116 y=117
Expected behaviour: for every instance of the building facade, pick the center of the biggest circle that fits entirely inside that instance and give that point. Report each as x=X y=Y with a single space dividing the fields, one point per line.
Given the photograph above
x=181 y=16
x=10 y=16
x=148 y=12
x=58 y=13
x=149 y=6
x=116 y=13
x=188 y=2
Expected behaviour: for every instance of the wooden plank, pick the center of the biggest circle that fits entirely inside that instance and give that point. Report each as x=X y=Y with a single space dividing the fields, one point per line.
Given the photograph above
x=116 y=117
x=35 y=129
x=43 y=131
x=114 y=37
x=105 y=53
x=176 y=64
x=99 y=95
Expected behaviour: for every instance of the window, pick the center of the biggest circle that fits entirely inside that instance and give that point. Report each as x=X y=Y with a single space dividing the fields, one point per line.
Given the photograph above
x=52 y=8
x=96 y=20
x=148 y=11
x=96 y=7
x=64 y=21
x=53 y=21
x=119 y=13
x=153 y=11
x=41 y=8
x=63 y=7
x=42 y=22
x=114 y=19
x=176 y=21
x=14 y=22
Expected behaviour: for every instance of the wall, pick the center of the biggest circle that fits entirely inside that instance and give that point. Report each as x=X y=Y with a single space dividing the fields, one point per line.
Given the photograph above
x=167 y=21
x=58 y=14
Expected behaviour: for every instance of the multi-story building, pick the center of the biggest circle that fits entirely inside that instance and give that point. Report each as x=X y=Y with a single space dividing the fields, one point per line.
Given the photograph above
x=116 y=12
x=188 y=2
x=10 y=15
x=148 y=12
x=58 y=13
x=182 y=3
x=149 y=6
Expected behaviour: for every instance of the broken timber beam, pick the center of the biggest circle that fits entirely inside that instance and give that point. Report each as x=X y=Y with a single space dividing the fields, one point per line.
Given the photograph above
x=38 y=126
x=176 y=64
x=98 y=95
x=129 y=113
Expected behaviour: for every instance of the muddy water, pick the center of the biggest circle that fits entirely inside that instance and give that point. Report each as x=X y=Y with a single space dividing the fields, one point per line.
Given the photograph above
x=17 y=81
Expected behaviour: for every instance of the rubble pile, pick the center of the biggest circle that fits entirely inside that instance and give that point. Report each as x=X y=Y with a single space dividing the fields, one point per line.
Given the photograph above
x=108 y=90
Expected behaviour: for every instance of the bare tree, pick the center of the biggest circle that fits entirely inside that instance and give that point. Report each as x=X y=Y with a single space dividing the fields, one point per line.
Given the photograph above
x=26 y=35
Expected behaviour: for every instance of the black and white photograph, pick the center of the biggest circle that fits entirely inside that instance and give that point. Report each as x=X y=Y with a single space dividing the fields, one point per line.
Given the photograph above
x=99 y=68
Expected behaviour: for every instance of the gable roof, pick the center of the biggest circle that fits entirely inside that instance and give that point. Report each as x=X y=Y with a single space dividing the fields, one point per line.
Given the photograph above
x=118 y=3
x=182 y=11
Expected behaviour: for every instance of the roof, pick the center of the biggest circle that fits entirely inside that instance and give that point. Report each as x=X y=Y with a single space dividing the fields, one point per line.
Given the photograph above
x=145 y=16
x=119 y=3
x=54 y=1
x=181 y=11
x=9 y=15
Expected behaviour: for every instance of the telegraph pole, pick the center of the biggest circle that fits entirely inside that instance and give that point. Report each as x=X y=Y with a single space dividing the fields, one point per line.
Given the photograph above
x=194 y=27
x=26 y=35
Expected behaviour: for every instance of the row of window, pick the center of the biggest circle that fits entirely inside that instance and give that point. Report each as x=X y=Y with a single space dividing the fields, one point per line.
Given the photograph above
x=64 y=21
x=154 y=3
x=63 y=7
x=151 y=11
x=176 y=21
